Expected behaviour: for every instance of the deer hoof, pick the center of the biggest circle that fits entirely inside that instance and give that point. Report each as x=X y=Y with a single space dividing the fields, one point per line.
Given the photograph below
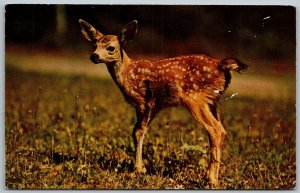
x=141 y=170
x=212 y=180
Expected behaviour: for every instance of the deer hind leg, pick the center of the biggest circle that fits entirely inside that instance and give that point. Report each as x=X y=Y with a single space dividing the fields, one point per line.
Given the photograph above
x=203 y=114
x=138 y=134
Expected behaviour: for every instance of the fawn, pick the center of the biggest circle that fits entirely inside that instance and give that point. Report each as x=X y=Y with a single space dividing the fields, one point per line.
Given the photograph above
x=195 y=82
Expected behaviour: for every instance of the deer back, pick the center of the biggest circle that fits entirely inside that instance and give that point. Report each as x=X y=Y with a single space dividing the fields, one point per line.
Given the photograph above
x=168 y=80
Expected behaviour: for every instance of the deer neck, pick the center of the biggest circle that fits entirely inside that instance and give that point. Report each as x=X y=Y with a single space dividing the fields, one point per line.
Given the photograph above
x=117 y=68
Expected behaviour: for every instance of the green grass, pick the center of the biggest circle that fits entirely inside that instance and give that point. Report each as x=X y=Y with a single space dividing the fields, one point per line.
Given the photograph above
x=71 y=132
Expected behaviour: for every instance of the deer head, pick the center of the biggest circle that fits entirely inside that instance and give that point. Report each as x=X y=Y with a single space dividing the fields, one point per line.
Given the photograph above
x=108 y=48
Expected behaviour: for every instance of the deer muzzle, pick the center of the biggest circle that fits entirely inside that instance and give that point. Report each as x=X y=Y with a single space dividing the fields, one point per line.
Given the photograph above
x=95 y=58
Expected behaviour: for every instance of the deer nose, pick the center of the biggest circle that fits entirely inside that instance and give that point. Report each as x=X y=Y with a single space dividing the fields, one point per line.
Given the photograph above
x=95 y=58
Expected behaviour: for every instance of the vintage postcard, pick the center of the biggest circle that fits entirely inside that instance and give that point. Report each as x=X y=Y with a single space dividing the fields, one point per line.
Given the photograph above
x=150 y=97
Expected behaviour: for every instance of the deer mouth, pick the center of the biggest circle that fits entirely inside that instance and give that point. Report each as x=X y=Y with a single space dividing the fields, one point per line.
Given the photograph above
x=98 y=61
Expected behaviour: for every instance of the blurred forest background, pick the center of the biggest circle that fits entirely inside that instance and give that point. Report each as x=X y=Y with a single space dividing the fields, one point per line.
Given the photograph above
x=254 y=34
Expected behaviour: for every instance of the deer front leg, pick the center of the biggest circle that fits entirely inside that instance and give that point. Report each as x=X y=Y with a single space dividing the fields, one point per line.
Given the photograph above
x=138 y=135
x=138 y=138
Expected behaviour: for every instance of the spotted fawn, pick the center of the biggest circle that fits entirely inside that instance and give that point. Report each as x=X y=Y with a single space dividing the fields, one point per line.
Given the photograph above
x=195 y=82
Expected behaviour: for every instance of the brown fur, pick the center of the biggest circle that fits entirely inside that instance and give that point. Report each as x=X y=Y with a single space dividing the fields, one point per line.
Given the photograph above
x=193 y=81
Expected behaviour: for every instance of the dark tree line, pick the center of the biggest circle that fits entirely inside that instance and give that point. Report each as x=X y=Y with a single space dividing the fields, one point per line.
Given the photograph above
x=266 y=29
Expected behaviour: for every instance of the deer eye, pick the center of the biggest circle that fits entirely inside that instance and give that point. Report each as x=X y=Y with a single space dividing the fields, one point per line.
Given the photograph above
x=111 y=49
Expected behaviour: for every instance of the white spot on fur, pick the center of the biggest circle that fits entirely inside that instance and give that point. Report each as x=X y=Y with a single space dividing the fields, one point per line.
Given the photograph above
x=195 y=86
x=132 y=76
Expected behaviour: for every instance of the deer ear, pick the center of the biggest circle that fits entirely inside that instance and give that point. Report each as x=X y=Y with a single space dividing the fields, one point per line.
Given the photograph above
x=128 y=32
x=89 y=32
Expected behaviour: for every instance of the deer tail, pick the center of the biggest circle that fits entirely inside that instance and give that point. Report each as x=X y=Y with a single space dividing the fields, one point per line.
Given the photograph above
x=229 y=64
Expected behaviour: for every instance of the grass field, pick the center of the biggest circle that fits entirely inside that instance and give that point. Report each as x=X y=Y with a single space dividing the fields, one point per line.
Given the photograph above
x=74 y=132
